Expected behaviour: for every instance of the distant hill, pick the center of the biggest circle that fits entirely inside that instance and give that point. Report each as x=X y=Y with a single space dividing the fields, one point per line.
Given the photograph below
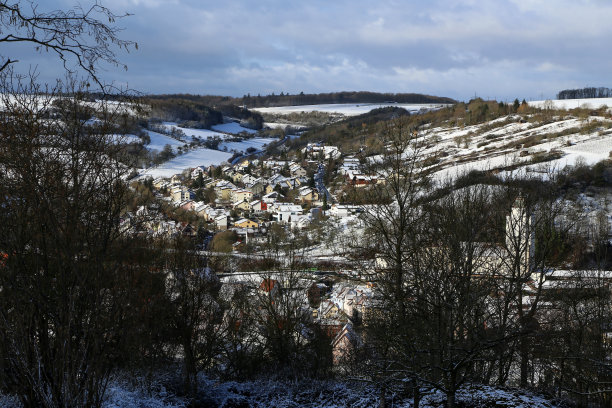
x=309 y=99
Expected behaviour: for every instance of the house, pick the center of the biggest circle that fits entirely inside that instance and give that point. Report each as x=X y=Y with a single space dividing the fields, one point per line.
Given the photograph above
x=357 y=179
x=221 y=221
x=284 y=212
x=345 y=343
x=258 y=206
x=197 y=171
x=276 y=179
x=315 y=150
x=272 y=197
x=237 y=177
x=270 y=287
x=268 y=189
x=246 y=223
x=290 y=183
x=274 y=163
x=241 y=205
x=256 y=187
x=224 y=193
x=349 y=164
x=180 y=194
x=247 y=179
x=300 y=221
x=343 y=210
x=297 y=171
x=240 y=195
x=352 y=300
x=308 y=195
x=188 y=205
x=160 y=182
x=187 y=230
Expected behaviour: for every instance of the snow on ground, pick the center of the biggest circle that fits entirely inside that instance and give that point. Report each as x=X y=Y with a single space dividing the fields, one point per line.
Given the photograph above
x=158 y=141
x=275 y=125
x=124 y=139
x=486 y=163
x=264 y=393
x=482 y=147
x=591 y=103
x=588 y=152
x=257 y=143
x=196 y=157
x=233 y=128
x=189 y=132
x=349 y=109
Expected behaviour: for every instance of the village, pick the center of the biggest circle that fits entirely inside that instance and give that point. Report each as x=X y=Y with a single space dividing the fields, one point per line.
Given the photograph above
x=256 y=196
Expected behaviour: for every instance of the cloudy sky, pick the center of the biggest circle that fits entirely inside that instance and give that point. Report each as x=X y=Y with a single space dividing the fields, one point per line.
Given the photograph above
x=499 y=49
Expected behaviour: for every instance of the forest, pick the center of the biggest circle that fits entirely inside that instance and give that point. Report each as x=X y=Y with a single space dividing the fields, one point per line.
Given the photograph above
x=585 y=93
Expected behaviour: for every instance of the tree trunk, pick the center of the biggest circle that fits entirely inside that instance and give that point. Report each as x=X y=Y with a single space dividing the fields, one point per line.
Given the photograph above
x=524 y=350
x=190 y=371
x=382 y=403
x=450 y=399
x=416 y=394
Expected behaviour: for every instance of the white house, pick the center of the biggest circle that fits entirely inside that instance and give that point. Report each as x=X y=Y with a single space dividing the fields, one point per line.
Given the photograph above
x=283 y=213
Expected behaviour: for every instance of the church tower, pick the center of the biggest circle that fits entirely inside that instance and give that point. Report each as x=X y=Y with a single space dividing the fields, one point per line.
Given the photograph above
x=520 y=237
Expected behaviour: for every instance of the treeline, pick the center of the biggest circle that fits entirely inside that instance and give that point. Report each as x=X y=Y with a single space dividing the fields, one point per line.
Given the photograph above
x=339 y=97
x=204 y=111
x=179 y=110
x=283 y=99
x=585 y=93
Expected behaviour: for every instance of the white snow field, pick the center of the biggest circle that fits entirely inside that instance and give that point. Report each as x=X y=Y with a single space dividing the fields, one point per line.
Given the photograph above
x=275 y=125
x=348 y=109
x=201 y=133
x=196 y=157
x=159 y=141
x=590 y=103
x=257 y=143
x=233 y=128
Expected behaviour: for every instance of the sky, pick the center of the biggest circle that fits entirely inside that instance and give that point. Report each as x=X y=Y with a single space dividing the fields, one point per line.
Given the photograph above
x=497 y=49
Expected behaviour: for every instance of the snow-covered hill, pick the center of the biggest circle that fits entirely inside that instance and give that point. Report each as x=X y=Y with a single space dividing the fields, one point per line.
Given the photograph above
x=591 y=103
x=513 y=142
x=201 y=156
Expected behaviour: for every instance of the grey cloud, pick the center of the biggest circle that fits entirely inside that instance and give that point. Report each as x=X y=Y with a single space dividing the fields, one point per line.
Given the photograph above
x=503 y=48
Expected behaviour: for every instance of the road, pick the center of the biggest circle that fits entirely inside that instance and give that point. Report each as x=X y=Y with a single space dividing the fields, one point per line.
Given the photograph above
x=320 y=174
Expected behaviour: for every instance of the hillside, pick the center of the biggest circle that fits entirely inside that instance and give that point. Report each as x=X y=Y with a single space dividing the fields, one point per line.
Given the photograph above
x=483 y=135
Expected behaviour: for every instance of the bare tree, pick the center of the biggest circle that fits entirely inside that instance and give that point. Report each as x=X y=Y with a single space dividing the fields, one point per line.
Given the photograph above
x=66 y=281
x=196 y=314
x=81 y=38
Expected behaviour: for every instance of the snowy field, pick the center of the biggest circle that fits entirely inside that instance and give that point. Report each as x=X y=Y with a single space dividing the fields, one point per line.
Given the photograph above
x=593 y=103
x=201 y=156
x=189 y=132
x=257 y=143
x=275 y=125
x=233 y=128
x=158 y=141
x=197 y=157
x=348 y=109
x=588 y=152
